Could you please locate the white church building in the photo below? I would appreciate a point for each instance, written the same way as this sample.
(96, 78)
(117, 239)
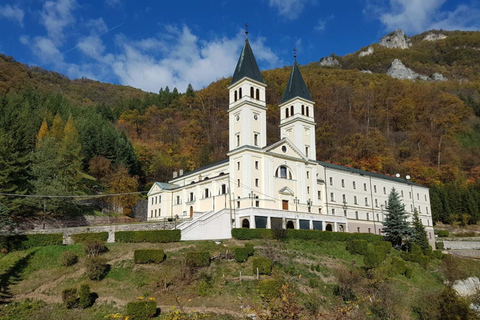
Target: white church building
(281, 185)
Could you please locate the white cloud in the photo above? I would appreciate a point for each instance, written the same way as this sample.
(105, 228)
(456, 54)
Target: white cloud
(96, 26)
(290, 9)
(55, 16)
(323, 22)
(92, 46)
(415, 16)
(12, 13)
(113, 3)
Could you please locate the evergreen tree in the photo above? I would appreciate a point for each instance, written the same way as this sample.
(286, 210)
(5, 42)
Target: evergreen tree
(396, 226)
(190, 92)
(6, 223)
(419, 234)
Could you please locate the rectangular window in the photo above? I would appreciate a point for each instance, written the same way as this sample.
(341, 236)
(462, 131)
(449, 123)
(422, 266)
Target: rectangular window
(256, 182)
(238, 183)
(191, 196)
(332, 198)
(344, 198)
(224, 188)
(368, 215)
(375, 188)
(238, 165)
(156, 200)
(178, 199)
(425, 197)
(238, 139)
(155, 212)
(384, 190)
(333, 211)
(358, 229)
(366, 202)
(378, 217)
(152, 200)
(355, 200)
(319, 195)
(354, 185)
(308, 190)
(401, 193)
(409, 195)
(343, 183)
(256, 165)
(331, 181)
(308, 174)
(419, 209)
(418, 196)
(356, 215)
(376, 203)
(255, 139)
(344, 213)
(369, 230)
(365, 187)
(306, 151)
(159, 199)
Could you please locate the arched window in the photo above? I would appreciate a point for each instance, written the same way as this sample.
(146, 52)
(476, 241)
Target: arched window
(245, 223)
(303, 110)
(258, 94)
(290, 225)
(307, 111)
(283, 172)
(240, 93)
(286, 113)
(291, 110)
(236, 97)
(251, 92)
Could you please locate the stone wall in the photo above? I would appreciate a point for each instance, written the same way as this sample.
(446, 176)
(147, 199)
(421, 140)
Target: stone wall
(111, 229)
(461, 245)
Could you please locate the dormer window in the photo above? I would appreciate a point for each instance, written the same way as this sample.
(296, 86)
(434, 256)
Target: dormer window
(283, 172)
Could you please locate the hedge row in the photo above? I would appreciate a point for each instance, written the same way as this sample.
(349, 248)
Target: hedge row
(249, 234)
(85, 237)
(198, 259)
(22, 242)
(149, 256)
(148, 236)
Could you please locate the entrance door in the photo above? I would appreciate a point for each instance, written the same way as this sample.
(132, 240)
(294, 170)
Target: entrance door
(285, 204)
(191, 211)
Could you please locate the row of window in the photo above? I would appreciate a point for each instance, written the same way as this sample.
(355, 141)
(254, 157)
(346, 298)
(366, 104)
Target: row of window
(377, 217)
(291, 111)
(156, 199)
(256, 139)
(375, 188)
(206, 194)
(254, 93)
(153, 213)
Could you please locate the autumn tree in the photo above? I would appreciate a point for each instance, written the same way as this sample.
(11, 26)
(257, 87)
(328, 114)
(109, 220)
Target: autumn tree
(121, 182)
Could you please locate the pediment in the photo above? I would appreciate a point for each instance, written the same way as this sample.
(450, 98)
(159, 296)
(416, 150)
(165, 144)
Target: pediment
(287, 148)
(286, 191)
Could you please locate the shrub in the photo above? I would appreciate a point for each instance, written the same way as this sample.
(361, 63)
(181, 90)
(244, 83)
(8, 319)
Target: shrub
(249, 234)
(93, 248)
(269, 289)
(149, 256)
(409, 273)
(398, 266)
(428, 251)
(96, 267)
(417, 256)
(250, 248)
(68, 258)
(263, 264)
(442, 233)
(357, 246)
(70, 298)
(440, 245)
(155, 236)
(387, 245)
(141, 309)
(437, 254)
(198, 259)
(84, 237)
(452, 306)
(85, 296)
(374, 256)
(279, 234)
(241, 254)
(22, 242)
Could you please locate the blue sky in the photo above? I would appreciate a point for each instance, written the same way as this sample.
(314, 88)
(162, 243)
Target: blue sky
(152, 44)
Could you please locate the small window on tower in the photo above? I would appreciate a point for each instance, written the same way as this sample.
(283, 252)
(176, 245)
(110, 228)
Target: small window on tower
(291, 110)
(307, 112)
(255, 139)
(256, 165)
(306, 151)
(303, 110)
(258, 94)
(236, 96)
(286, 113)
(251, 92)
(240, 93)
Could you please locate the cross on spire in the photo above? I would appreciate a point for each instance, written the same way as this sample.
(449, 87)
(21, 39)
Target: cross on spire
(246, 29)
(295, 54)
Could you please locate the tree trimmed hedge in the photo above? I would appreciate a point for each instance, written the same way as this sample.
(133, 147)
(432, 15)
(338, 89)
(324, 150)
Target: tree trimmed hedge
(241, 254)
(263, 264)
(357, 246)
(198, 259)
(154, 236)
(141, 309)
(84, 237)
(22, 242)
(149, 256)
(249, 234)
(441, 233)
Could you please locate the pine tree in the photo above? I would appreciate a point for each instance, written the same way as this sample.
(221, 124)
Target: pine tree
(190, 92)
(396, 226)
(419, 234)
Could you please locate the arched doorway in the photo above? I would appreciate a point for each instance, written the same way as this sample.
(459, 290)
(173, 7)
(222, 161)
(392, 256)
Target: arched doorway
(245, 223)
(328, 227)
(290, 225)
(191, 211)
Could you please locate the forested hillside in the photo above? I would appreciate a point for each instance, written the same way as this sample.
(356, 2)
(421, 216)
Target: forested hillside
(429, 130)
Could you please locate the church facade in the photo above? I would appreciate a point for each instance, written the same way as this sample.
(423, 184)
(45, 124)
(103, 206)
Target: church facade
(281, 185)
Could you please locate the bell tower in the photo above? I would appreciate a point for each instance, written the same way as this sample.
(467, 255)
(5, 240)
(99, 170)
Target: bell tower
(247, 106)
(296, 114)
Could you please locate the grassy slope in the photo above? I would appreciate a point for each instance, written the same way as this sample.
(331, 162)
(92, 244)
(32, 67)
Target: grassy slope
(43, 278)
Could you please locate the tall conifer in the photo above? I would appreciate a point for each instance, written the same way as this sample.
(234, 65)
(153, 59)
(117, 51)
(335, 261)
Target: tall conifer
(396, 227)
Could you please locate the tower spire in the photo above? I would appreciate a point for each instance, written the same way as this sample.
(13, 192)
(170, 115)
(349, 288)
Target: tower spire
(295, 54)
(246, 30)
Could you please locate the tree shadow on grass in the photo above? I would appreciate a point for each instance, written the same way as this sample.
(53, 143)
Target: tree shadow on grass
(11, 276)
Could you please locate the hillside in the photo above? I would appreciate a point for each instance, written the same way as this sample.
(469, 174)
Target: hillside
(309, 279)
(427, 129)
